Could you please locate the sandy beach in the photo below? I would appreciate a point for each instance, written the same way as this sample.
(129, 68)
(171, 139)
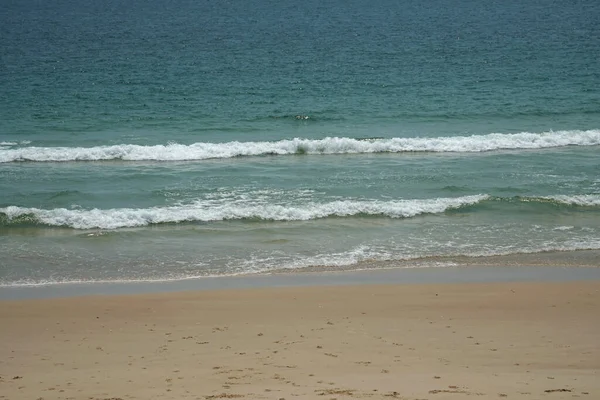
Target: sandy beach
(445, 341)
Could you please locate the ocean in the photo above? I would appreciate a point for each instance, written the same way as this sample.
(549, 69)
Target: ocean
(156, 141)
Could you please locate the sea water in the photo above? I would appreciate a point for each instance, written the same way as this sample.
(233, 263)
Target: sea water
(150, 140)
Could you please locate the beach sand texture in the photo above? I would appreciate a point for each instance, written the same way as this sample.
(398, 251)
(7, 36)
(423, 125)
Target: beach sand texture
(449, 341)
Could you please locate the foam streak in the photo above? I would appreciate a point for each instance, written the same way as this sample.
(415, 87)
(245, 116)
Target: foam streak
(330, 145)
(205, 212)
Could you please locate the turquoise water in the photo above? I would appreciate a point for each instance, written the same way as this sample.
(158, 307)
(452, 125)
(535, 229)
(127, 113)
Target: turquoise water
(155, 141)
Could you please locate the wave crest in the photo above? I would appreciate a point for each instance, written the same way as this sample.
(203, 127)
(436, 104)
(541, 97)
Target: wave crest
(210, 210)
(205, 212)
(329, 145)
(585, 200)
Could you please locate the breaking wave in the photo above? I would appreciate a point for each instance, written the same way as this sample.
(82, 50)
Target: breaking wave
(209, 211)
(585, 200)
(329, 145)
(203, 211)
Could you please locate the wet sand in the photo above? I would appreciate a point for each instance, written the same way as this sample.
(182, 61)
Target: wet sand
(411, 341)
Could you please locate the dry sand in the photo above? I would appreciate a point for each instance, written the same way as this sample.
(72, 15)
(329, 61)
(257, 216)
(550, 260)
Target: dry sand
(500, 340)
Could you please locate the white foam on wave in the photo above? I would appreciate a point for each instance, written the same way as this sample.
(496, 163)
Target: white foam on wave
(206, 211)
(588, 200)
(22, 142)
(564, 228)
(330, 145)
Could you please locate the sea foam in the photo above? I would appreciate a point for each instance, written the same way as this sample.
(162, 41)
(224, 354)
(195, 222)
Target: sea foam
(586, 200)
(206, 211)
(329, 145)
(228, 208)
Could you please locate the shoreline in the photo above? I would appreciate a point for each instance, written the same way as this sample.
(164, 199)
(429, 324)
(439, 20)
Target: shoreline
(393, 274)
(524, 264)
(412, 341)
